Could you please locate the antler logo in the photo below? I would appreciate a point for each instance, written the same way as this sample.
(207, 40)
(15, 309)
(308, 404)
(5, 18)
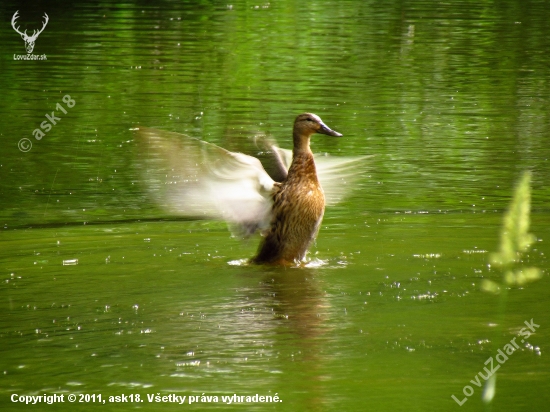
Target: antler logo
(29, 40)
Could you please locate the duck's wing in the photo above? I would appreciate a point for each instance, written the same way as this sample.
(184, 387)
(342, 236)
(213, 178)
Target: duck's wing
(339, 175)
(276, 161)
(190, 177)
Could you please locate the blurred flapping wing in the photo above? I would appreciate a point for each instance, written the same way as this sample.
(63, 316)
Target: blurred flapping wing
(190, 177)
(337, 175)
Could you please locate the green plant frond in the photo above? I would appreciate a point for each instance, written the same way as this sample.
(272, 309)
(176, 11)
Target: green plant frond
(515, 237)
(490, 286)
(522, 276)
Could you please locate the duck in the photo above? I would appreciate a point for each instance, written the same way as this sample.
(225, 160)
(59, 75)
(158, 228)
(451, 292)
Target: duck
(298, 200)
(194, 178)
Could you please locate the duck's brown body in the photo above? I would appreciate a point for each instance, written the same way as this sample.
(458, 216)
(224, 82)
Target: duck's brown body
(298, 201)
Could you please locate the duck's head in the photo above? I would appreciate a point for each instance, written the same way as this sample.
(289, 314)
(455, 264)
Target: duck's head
(307, 124)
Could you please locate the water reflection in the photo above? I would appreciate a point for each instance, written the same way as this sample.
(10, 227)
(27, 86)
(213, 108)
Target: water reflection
(298, 300)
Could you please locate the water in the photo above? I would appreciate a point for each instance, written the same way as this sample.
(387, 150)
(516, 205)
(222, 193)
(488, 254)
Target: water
(104, 292)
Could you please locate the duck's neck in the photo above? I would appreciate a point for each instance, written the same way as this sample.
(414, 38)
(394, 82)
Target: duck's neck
(303, 164)
(301, 145)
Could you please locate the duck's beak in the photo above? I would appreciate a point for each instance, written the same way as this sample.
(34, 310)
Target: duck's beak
(328, 131)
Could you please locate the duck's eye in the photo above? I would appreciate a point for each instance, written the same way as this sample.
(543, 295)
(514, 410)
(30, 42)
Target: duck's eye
(309, 119)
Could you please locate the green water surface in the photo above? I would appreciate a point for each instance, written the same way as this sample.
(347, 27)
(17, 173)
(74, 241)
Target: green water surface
(104, 292)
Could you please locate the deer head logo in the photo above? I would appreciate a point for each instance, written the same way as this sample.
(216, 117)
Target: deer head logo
(29, 40)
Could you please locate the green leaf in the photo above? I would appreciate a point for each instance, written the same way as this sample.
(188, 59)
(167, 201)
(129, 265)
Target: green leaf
(515, 237)
(490, 286)
(521, 276)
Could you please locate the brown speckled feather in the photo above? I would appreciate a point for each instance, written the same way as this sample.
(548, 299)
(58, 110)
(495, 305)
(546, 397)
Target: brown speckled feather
(298, 208)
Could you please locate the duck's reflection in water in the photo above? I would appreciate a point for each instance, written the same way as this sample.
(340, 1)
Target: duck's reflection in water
(299, 303)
